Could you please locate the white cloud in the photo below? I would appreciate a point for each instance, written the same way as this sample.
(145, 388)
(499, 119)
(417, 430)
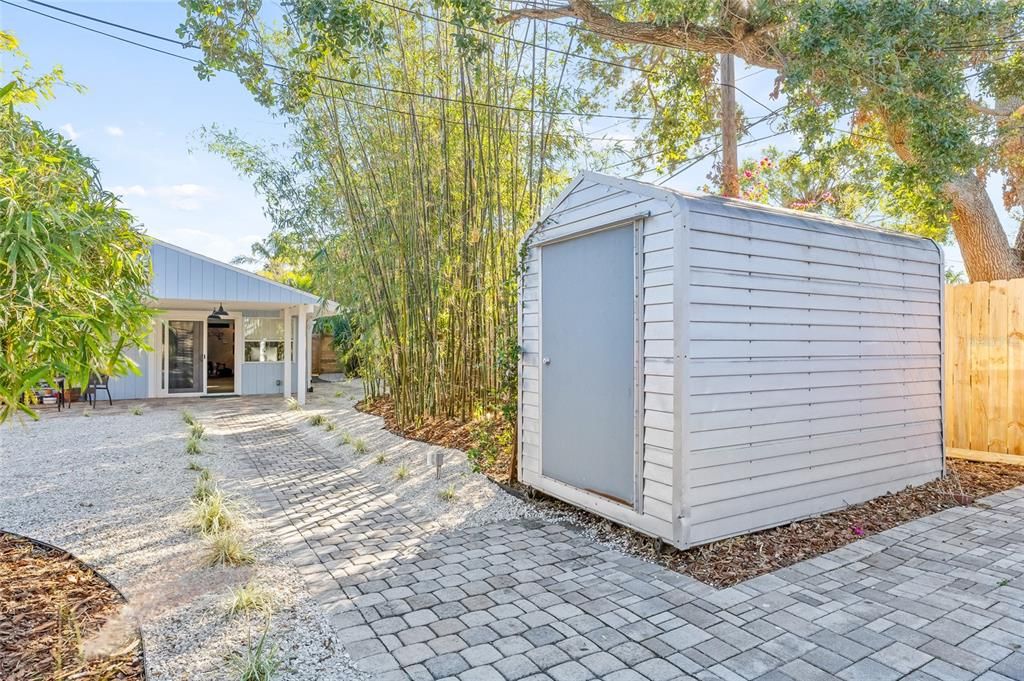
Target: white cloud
(69, 131)
(132, 190)
(181, 196)
(114, 131)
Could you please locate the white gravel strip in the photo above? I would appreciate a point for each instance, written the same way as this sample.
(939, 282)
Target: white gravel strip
(113, 488)
(477, 499)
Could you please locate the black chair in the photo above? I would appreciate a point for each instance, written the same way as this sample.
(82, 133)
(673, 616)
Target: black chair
(97, 383)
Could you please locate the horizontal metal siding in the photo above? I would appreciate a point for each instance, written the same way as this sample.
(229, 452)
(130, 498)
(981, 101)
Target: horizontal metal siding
(815, 360)
(592, 205)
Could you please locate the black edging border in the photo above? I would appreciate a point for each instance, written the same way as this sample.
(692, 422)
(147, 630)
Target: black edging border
(102, 577)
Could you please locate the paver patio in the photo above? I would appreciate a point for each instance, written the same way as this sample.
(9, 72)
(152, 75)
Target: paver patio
(938, 598)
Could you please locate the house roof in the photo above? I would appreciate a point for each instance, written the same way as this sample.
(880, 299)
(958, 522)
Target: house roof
(181, 274)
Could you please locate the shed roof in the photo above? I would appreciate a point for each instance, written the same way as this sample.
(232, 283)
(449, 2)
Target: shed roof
(727, 204)
(181, 274)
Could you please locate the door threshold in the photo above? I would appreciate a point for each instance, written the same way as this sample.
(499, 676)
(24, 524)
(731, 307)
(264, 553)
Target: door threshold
(216, 395)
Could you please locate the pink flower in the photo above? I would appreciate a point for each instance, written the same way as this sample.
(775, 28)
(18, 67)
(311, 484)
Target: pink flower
(748, 174)
(858, 530)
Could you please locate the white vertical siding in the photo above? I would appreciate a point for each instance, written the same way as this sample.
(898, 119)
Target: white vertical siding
(592, 205)
(815, 363)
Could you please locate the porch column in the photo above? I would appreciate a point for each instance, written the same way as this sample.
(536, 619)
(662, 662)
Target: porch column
(286, 382)
(300, 358)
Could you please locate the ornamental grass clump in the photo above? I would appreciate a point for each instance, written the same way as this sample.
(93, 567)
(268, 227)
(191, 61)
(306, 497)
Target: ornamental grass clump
(359, 445)
(136, 411)
(292, 404)
(197, 431)
(213, 514)
(250, 597)
(194, 465)
(448, 494)
(204, 489)
(192, 446)
(187, 417)
(259, 662)
(317, 420)
(402, 472)
(227, 548)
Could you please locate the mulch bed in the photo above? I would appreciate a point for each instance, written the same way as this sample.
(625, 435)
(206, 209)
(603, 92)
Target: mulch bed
(449, 433)
(50, 606)
(730, 561)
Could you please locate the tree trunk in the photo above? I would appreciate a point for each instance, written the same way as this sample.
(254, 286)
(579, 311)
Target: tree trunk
(985, 246)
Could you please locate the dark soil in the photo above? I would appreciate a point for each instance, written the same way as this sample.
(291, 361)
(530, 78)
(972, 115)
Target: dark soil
(50, 604)
(730, 561)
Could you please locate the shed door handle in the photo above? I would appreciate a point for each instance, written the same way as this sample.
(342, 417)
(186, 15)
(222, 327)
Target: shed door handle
(547, 360)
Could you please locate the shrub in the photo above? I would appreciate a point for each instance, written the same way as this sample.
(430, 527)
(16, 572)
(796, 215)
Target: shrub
(259, 662)
(379, 459)
(197, 431)
(359, 445)
(448, 494)
(192, 446)
(187, 417)
(292, 404)
(227, 549)
(250, 597)
(213, 515)
(136, 411)
(402, 472)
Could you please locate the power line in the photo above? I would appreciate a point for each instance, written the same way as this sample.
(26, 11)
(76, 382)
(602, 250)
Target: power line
(340, 81)
(492, 34)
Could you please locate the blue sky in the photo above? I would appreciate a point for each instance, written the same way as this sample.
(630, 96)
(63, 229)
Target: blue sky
(141, 111)
(138, 118)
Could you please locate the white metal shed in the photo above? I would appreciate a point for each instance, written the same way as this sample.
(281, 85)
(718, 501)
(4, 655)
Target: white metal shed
(697, 367)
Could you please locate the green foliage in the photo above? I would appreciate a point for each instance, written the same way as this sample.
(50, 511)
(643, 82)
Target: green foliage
(259, 662)
(359, 445)
(197, 431)
(136, 411)
(74, 270)
(213, 514)
(379, 459)
(188, 418)
(204, 489)
(194, 465)
(192, 446)
(448, 494)
(402, 472)
(405, 210)
(317, 420)
(292, 404)
(343, 342)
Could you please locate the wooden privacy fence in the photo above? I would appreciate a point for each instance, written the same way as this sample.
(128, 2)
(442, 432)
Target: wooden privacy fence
(984, 369)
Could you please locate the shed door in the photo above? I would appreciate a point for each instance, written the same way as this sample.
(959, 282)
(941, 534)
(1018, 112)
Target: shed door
(588, 372)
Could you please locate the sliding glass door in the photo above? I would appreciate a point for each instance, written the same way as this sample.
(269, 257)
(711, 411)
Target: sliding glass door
(183, 356)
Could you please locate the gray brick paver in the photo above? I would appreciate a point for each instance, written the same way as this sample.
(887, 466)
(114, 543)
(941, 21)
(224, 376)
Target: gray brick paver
(939, 598)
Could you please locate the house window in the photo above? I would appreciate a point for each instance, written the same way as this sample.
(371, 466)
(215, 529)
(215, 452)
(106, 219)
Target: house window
(264, 339)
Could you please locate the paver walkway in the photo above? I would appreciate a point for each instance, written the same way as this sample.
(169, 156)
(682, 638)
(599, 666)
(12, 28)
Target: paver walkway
(938, 598)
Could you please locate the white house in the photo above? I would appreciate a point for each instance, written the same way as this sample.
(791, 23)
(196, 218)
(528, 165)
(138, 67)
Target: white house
(697, 367)
(221, 331)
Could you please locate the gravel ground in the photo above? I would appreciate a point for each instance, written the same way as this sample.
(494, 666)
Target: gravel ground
(113, 488)
(477, 499)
